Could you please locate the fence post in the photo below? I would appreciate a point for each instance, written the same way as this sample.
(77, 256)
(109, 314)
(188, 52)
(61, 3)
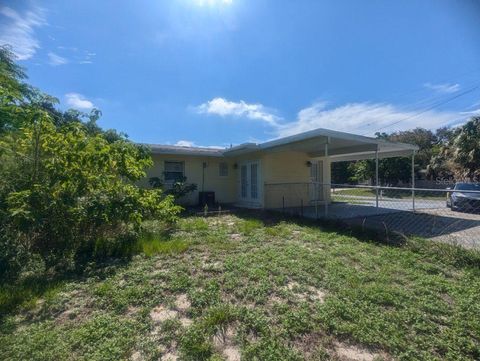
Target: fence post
(376, 177)
(283, 204)
(326, 204)
(315, 185)
(413, 181)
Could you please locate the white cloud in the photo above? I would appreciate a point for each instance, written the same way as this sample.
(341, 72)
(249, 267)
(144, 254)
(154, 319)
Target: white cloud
(78, 101)
(185, 143)
(189, 143)
(474, 112)
(363, 118)
(19, 31)
(213, 2)
(224, 107)
(55, 59)
(88, 58)
(443, 88)
(359, 118)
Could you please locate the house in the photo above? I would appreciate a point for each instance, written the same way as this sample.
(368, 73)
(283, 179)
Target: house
(249, 175)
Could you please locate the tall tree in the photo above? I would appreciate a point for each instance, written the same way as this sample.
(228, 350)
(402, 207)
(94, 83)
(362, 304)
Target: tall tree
(13, 91)
(464, 149)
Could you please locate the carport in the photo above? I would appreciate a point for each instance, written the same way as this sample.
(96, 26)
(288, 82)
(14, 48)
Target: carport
(324, 147)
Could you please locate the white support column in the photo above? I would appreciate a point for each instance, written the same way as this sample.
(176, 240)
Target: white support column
(376, 177)
(413, 181)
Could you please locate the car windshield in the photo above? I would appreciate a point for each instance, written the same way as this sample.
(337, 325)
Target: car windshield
(467, 186)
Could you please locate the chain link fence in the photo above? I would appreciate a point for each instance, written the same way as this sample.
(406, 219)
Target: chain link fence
(447, 215)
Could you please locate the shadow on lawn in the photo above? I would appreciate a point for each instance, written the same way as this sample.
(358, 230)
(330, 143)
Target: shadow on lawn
(25, 293)
(454, 255)
(272, 218)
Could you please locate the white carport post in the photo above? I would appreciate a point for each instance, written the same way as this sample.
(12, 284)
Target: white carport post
(376, 177)
(413, 181)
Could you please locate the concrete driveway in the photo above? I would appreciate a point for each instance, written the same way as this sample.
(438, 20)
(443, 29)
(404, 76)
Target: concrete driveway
(431, 219)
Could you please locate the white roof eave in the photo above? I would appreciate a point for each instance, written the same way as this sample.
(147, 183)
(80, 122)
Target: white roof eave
(329, 134)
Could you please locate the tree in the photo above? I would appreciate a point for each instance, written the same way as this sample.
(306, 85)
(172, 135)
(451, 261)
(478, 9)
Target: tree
(464, 150)
(178, 189)
(67, 188)
(423, 138)
(63, 192)
(13, 91)
(341, 173)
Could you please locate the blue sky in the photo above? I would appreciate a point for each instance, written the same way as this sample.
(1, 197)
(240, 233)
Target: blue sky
(216, 72)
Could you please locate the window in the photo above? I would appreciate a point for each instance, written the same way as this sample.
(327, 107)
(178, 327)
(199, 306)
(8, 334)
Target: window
(223, 169)
(173, 171)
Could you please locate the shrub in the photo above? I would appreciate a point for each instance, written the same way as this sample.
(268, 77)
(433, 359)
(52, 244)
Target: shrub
(177, 189)
(66, 193)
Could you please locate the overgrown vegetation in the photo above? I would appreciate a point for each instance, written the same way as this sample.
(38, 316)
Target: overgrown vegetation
(178, 189)
(265, 289)
(67, 188)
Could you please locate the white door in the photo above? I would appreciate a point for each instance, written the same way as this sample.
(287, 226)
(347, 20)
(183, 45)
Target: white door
(316, 179)
(250, 182)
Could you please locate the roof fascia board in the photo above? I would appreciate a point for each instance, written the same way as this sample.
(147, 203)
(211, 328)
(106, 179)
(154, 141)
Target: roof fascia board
(345, 150)
(371, 155)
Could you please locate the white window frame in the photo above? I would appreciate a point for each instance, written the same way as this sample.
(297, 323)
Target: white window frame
(220, 165)
(171, 181)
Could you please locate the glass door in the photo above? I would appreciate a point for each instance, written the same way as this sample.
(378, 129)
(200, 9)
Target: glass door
(250, 182)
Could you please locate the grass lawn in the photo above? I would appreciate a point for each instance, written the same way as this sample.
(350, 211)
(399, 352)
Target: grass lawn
(392, 193)
(230, 286)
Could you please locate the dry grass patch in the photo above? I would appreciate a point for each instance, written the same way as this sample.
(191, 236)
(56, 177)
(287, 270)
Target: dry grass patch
(223, 342)
(356, 353)
(161, 314)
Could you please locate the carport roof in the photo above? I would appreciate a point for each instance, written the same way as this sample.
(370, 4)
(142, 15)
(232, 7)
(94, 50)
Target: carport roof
(340, 146)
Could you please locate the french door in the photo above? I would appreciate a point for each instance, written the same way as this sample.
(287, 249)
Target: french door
(250, 182)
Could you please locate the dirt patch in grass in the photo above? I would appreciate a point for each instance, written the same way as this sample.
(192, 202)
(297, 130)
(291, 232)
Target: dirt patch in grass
(161, 314)
(77, 308)
(311, 293)
(169, 356)
(136, 356)
(185, 321)
(355, 353)
(132, 311)
(182, 303)
(225, 345)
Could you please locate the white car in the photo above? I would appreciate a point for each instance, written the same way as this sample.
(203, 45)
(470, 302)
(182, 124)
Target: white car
(464, 197)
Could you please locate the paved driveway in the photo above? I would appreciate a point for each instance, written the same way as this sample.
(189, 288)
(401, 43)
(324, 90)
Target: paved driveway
(431, 219)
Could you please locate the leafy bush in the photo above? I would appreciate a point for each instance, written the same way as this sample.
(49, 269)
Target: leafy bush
(67, 194)
(177, 189)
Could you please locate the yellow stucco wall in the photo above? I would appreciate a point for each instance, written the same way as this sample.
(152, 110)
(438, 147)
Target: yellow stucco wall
(286, 177)
(224, 187)
(287, 167)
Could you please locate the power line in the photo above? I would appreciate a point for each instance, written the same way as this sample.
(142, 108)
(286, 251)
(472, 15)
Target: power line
(429, 108)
